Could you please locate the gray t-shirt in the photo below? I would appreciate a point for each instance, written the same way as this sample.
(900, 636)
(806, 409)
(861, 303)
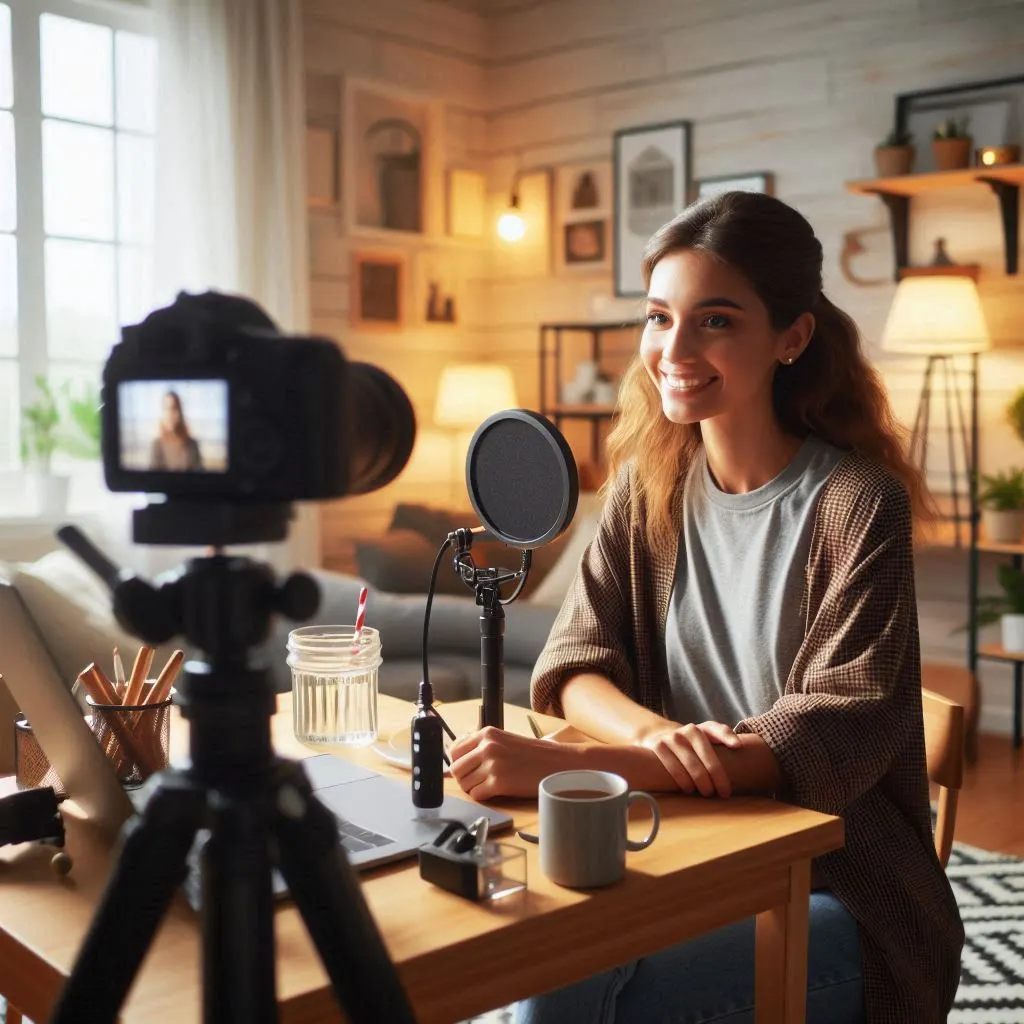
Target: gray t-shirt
(734, 623)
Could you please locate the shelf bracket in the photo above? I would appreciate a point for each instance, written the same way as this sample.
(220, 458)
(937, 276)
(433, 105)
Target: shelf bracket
(1009, 207)
(899, 221)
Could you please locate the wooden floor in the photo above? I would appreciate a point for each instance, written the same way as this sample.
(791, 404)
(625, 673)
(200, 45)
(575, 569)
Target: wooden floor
(991, 809)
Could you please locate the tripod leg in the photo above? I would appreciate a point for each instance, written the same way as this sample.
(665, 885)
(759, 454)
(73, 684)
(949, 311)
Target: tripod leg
(238, 915)
(149, 869)
(327, 893)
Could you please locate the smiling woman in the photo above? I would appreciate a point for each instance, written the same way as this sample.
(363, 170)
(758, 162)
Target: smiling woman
(745, 621)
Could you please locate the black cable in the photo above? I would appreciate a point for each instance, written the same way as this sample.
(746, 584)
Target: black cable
(426, 693)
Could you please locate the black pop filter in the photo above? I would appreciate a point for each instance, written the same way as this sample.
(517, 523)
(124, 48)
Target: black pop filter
(522, 478)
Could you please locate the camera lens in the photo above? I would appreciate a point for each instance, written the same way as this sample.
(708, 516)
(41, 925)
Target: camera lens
(383, 428)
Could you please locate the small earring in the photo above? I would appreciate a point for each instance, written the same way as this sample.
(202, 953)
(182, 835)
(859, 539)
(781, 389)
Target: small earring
(788, 361)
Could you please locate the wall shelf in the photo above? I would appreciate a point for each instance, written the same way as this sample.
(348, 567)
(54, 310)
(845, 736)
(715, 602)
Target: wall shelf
(996, 653)
(896, 192)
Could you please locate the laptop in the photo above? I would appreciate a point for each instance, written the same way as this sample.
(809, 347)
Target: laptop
(377, 822)
(56, 720)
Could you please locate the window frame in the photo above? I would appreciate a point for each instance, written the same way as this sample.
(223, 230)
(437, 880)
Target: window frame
(33, 356)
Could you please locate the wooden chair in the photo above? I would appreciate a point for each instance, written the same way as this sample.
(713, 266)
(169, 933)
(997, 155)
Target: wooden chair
(944, 749)
(957, 683)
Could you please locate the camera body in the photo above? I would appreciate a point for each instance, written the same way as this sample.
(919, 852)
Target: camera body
(205, 400)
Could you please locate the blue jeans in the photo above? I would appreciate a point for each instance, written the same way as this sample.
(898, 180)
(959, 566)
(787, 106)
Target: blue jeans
(711, 979)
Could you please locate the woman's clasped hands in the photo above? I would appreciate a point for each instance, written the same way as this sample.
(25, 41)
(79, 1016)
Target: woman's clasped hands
(687, 752)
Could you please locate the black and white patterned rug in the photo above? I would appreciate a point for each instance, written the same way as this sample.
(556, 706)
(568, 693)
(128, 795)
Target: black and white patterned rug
(989, 889)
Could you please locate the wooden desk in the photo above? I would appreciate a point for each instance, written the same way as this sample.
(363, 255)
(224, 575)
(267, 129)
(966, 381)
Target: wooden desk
(714, 862)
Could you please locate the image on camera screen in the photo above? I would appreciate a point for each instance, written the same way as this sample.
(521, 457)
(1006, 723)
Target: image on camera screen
(173, 426)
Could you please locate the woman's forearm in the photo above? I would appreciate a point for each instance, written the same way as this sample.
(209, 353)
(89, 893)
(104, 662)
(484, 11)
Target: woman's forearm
(752, 768)
(597, 707)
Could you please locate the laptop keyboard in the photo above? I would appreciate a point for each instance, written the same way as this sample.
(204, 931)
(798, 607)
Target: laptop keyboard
(355, 838)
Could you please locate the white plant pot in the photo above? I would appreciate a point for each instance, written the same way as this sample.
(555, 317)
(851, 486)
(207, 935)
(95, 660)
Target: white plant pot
(1013, 633)
(1002, 527)
(51, 493)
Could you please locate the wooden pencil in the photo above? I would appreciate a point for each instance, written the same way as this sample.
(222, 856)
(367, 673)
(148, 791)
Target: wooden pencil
(140, 672)
(97, 685)
(162, 687)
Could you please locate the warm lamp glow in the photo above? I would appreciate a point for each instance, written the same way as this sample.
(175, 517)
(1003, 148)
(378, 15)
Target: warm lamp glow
(511, 226)
(939, 316)
(470, 392)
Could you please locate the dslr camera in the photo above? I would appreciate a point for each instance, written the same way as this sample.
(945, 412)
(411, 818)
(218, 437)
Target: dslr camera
(207, 404)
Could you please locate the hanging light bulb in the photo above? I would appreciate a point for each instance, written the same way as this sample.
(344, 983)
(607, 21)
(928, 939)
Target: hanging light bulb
(511, 226)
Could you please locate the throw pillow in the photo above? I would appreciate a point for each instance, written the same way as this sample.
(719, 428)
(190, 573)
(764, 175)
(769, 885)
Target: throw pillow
(72, 609)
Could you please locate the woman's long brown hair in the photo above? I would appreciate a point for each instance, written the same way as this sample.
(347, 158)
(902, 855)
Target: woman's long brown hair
(180, 429)
(831, 390)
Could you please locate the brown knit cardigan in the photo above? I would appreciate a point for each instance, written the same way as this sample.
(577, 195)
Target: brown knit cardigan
(848, 730)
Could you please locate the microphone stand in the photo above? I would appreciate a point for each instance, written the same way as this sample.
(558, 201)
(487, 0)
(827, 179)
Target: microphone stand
(487, 583)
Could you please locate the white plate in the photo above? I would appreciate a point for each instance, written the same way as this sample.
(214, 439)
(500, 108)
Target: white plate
(398, 749)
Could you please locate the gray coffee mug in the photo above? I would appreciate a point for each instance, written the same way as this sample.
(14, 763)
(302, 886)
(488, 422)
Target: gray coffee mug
(583, 839)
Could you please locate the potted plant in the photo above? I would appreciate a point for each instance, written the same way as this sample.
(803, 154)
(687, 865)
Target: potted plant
(82, 439)
(1015, 414)
(39, 440)
(1002, 501)
(951, 145)
(895, 154)
(1007, 609)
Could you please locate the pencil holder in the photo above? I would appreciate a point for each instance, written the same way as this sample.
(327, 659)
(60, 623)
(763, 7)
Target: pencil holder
(135, 738)
(31, 766)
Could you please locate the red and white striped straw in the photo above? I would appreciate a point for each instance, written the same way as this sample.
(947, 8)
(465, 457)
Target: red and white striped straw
(361, 613)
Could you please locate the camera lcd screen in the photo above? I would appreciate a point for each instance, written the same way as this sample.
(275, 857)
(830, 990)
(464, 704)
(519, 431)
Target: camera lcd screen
(173, 426)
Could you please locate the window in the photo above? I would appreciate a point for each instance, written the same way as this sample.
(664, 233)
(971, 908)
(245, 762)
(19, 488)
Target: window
(77, 123)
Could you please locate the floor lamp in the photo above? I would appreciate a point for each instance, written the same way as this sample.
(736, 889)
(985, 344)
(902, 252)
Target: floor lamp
(939, 316)
(467, 394)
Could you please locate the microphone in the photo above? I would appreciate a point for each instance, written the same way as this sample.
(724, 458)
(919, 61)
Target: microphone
(524, 485)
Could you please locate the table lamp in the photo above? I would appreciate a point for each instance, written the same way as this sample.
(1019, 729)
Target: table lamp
(467, 394)
(940, 317)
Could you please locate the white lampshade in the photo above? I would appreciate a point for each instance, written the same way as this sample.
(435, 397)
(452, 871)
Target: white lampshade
(470, 392)
(936, 316)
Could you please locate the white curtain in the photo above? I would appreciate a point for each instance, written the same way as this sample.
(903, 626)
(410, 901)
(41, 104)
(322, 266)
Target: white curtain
(231, 211)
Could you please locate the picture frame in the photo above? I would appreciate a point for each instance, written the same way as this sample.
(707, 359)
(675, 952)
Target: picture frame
(437, 290)
(652, 183)
(378, 282)
(466, 203)
(388, 159)
(995, 108)
(582, 208)
(754, 181)
(321, 166)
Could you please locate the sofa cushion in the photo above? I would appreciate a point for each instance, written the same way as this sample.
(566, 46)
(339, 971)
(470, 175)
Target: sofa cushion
(73, 612)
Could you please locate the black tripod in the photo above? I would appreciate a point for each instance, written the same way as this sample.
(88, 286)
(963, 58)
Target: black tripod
(487, 583)
(259, 808)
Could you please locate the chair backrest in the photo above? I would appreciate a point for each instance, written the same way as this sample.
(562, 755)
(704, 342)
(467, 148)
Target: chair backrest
(944, 750)
(944, 740)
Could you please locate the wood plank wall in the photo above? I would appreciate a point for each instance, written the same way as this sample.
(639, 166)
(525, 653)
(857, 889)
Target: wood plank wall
(801, 89)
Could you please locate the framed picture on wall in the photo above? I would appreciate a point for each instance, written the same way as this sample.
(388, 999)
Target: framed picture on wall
(582, 217)
(378, 285)
(321, 166)
(759, 181)
(652, 185)
(992, 112)
(467, 203)
(386, 158)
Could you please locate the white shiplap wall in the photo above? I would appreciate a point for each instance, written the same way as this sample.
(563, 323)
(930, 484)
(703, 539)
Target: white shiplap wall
(801, 89)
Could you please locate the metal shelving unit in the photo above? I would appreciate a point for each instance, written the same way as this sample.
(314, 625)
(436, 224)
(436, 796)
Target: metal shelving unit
(552, 375)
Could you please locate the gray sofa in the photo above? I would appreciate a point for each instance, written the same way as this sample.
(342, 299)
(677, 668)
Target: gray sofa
(57, 599)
